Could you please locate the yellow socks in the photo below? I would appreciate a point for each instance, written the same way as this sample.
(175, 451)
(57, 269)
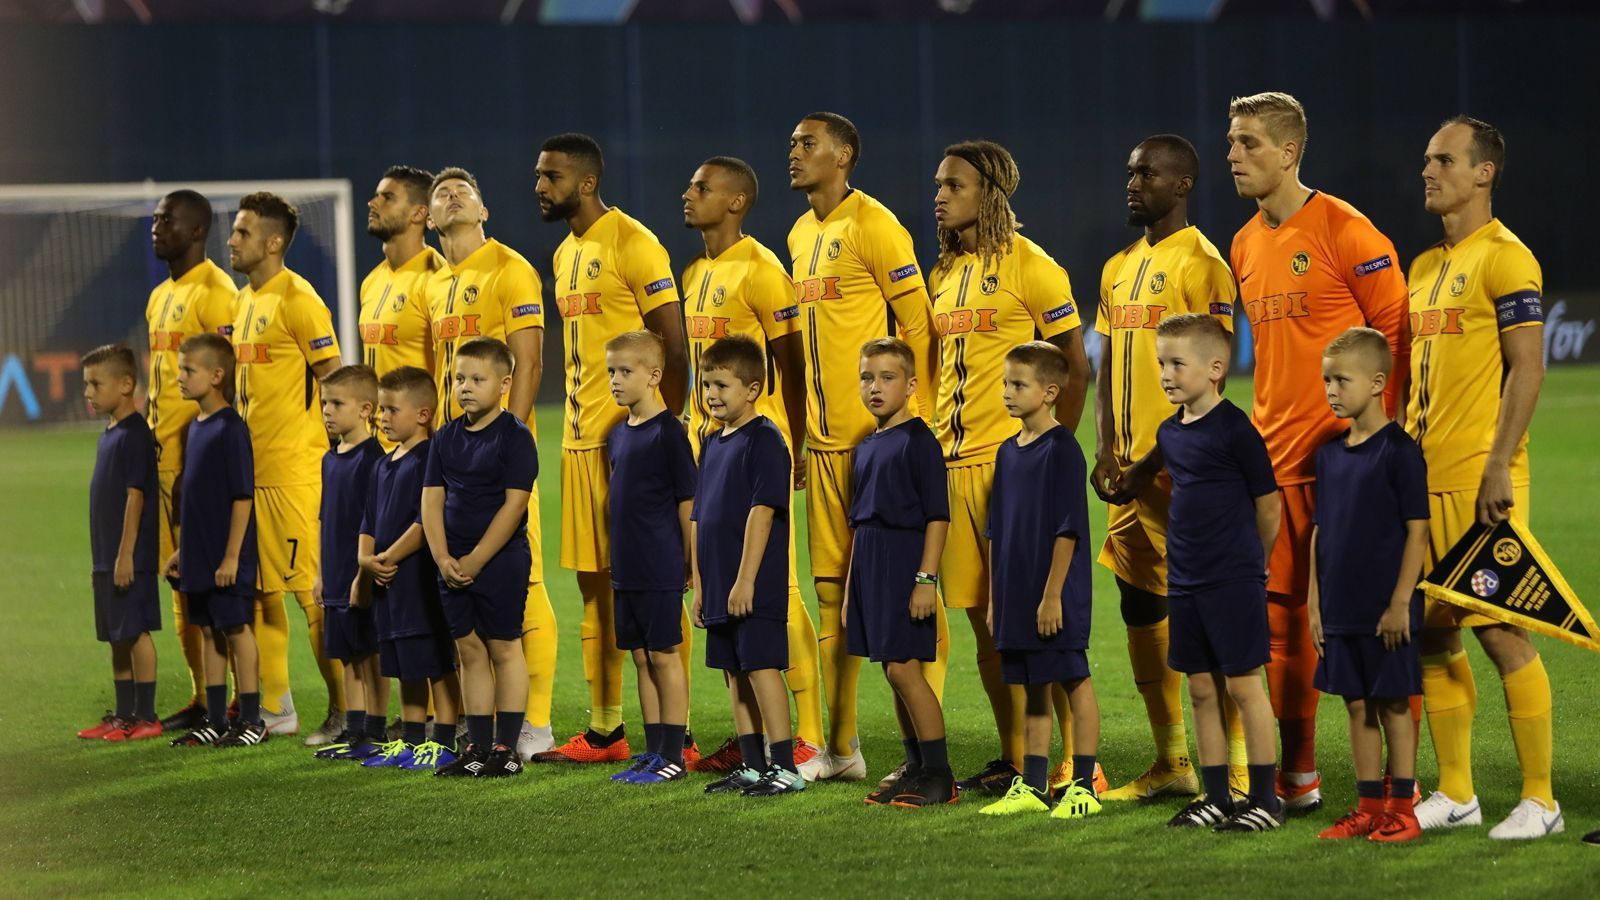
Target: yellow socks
(1161, 688)
(935, 671)
(272, 651)
(539, 649)
(840, 670)
(1528, 706)
(804, 675)
(1450, 697)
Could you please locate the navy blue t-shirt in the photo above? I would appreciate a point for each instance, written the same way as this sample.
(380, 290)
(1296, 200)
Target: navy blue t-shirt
(1365, 496)
(125, 458)
(652, 471)
(1219, 466)
(218, 468)
(409, 605)
(346, 480)
(476, 468)
(739, 472)
(1038, 496)
(898, 479)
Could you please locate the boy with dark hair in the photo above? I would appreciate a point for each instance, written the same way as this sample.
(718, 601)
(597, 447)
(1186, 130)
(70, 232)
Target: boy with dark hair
(900, 513)
(480, 474)
(215, 562)
(123, 542)
(741, 565)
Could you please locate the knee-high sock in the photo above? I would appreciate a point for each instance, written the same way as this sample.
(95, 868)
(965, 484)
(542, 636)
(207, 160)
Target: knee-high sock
(190, 638)
(1006, 700)
(1161, 688)
(1238, 757)
(602, 661)
(935, 671)
(539, 649)
(1290, 673)
(1528, 705)
(272, 652)
(804, 675)
(686, 653)
(840, 670)
(1450, 697)
(331, 669)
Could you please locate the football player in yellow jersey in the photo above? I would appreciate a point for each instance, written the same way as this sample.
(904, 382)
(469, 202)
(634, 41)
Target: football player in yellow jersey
(740, 287)
(394, 305)
(853, 265)
(611, 276)
(1170, 270)
(284, 341)
(486, 289)
(197, 296)
(1477, 363)
(992, 290)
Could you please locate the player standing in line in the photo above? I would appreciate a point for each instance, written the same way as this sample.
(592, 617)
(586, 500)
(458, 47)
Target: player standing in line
(284, 343)
(394, 306)
(1309, 266)
(1477, 322)
(611, 276)
(1171, 270)
(993, 289)
(197, 296)
(739, 286)
(854, 268)
(486, 289)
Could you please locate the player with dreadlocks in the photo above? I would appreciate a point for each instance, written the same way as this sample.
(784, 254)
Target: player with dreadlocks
(992, 290)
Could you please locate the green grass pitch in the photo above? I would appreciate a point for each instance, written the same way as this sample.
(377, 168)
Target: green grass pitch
(84, 818)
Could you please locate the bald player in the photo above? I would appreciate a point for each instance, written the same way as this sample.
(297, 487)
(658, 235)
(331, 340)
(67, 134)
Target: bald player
(284, 342)
(197, 296)
(1310, 266)
(611, 276)
(853, 270)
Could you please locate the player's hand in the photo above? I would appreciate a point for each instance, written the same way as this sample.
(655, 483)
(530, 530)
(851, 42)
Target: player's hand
(800, 471)
(696, 613)
(450, 570)
(1133, 481)
(360, 597)
(741, 600)
(171, 569)
(1103, 479)
(988, 619)
(923, 601)
(1494, 494)
(1395, 627)
(470, 566)
(1049, 616)
(1314, 621)
(122, 573)
(382, 569)
(228, 572)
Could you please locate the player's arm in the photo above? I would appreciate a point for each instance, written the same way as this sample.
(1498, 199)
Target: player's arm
(1269, 515)
(1372, 271)
(757, 528)
(1103, 478)
(433, 528)
(506, 522)
(1395, 625)
(924, 597)
(1138, 477)
(406, 544)
(520, 293)
(697, 607)
(323, 368)
(913, 321)
(238, 522)
(686, 528)
(1069, 406)
(789, 354)
(1314, 595)
(927, 466)
(1523, 351)
(367, 559)
(132, 512)
(1050, 616)
(527, 351)
(666, 321)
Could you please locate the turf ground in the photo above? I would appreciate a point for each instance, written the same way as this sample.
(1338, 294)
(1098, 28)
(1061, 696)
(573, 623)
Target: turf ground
(89, 818)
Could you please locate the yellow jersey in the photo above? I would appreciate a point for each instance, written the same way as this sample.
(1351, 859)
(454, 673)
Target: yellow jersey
(394, 313)
(494, 292)
(747, 291)
(980, 312)
(1181, 273)
(606, 280)
(200, 300)
(279, 332)
(850, 270)
(1462, 298)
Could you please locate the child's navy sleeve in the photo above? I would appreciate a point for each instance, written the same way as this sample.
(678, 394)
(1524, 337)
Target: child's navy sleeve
(1251, 452)
(996, 493)
(1070, 475)
(927, 464)
(680, 464)
(241, 468)
(136, 454)
(521, 460)
(1408, 471)
(769, 470)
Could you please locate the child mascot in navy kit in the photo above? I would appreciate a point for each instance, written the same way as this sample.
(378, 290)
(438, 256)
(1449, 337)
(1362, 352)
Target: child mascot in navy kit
(216, 559)
(123, 545)
(1221, 527)
(480, 476)
(1370, 539)
(1041, 596)
(899, 513)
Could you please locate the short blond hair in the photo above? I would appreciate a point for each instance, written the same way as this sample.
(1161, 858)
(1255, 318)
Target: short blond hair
(1199, 327)
(1282, 114)
(1369, 343)
(646, 343)
(1044, 359)
(892, 346)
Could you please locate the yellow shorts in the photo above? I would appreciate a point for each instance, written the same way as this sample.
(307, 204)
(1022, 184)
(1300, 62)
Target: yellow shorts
(585, 491)
(1136, 538)
(1449, 516)
(287, 537)
(827, 512)
(964, 565)
(1289, 568)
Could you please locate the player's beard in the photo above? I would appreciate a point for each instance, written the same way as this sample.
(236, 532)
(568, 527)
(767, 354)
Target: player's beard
(560, 210)
(383, 231)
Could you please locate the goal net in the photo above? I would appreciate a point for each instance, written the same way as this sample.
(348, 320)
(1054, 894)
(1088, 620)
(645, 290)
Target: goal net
(76, 269)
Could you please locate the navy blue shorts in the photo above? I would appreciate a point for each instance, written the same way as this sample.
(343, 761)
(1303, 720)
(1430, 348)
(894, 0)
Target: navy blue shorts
(883, 572)
(420, 658)
(220, 609)
(1043, 666)
(493, 604)
(648, 620)
(1221, 629)
(348, 633)
(748, 645)
(124, 615)
(1357, 665)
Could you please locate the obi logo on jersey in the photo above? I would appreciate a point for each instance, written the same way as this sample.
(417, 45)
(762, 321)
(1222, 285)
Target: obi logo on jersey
(1430, 322)
(1277, 306)
(248, 354)
(1136, 315)
(165, 340)
(706, 327)
(810, 290)
(448, 328)
(376, 333)
(579, 305)
(965, 320)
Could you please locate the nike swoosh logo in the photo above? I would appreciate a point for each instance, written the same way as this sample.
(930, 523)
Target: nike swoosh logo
(1245, 277)
(941, 293)
(1118, 284)
(1453, 818)
(1417, 291)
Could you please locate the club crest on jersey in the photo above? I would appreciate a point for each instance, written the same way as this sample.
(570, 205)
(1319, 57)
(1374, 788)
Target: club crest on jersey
(1485, 582)
(902, 272)
(1374, 265)
(178, 310)
(1301, 263)
(470, 295)
(1158, 282)
(1507, 551)
(1059, 313)
(261, 324)
(718, 296)
(398, 303)
(990, 284)
(834, 248)
(593, 271)
(1458, 286)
